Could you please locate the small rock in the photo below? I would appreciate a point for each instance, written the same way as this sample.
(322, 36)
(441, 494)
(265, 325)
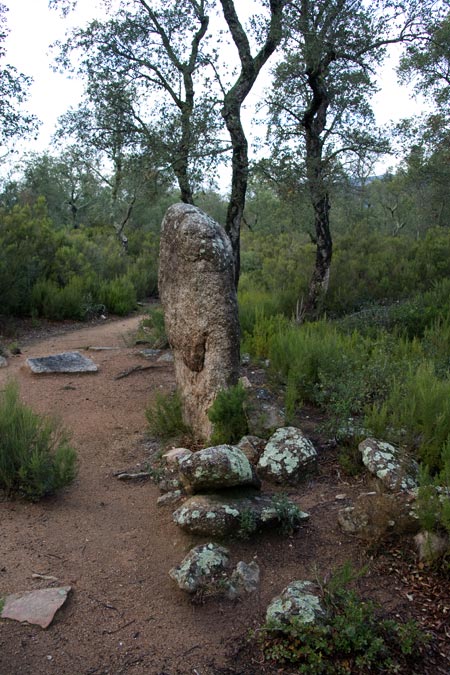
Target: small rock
(170, 498)
(396, 470)
(252, 447)
(289, 457)
(431, 546)
(245, 359)
(245, 579)
(341, 497)
(201, 567)
(3, 362)
(352, 520)
(263, 418)
(36, 607)
(150, 353)
(245, 382)
(297, 601)
(174, 456)
(66, 362)
(167, 357)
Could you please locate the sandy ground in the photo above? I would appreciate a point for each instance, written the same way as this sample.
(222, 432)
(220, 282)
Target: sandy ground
(114, 546)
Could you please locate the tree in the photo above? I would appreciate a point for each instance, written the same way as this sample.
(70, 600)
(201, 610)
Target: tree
(151, 52)
(231, 111)
(320, 105)
(13, 92)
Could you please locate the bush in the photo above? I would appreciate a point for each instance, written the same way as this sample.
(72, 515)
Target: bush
(118, 296)
(228, 416)
(52, 302)
(352, 639)
(165, 417)
(35, 456)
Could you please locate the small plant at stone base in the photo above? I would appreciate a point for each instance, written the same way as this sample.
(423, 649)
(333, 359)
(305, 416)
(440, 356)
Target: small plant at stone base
(352, 639)
(152, 329)
(247, 524)
(165, 417)
(289, 515)
(349, 459)
(35, 456)
(228, 416)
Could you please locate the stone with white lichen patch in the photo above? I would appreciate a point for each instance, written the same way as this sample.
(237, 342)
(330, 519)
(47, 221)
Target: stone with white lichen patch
(289, 457)
(299, 600)
(215, 468)
(221, 515)
(395, 469)
(200, 567)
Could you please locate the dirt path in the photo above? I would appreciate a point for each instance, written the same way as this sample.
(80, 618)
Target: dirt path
(114, 546)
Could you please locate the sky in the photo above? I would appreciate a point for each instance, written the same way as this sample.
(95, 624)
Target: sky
(33, 27)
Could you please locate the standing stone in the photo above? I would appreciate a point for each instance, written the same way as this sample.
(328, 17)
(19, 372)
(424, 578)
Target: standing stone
(196, 286)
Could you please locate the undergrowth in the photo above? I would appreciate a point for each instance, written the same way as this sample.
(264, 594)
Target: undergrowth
(35, 456)
(354, 638)
(227, 415)
(165, 417)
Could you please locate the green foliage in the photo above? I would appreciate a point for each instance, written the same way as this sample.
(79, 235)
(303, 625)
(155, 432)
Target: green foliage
(352, 638)
(118, 296)
(165, 417)
(53, 302)
(35, 456)
(288, 513)
(415, 412)
(152, 329)
(247, 524)
(228, 415)
(433, 502)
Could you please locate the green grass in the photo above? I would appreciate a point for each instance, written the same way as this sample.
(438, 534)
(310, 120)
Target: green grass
(35, 456)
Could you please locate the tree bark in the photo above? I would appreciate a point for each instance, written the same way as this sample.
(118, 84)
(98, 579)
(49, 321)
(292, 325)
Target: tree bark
(231, 113)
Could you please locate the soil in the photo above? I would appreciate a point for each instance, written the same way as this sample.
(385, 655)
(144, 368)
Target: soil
(114, 546)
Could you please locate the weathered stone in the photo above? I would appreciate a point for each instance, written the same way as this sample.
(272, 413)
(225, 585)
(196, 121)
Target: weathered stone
(252, 447)
(289, 457)
(170, 498)
(202, 567)
(196, 285)
(431, 546)
(245, 382)
(37, 607)
(395, 469)
(245, 359)
(244, 579)
(263, 418)
(217, 467)
(297, 601)
(3, 362)
(173, 457)
(376, 514)
(218, 515)
(165, 358)
(66, 362)
(150, 353)
(352, 520)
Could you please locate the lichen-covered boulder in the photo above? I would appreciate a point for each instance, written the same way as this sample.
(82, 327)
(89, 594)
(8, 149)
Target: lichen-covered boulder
(204, 565)
(288, 457)
(378, 513)
(244, 579)
(197, 291)
(300, 601)
(396, 470)
(216, 515)
(217, 467)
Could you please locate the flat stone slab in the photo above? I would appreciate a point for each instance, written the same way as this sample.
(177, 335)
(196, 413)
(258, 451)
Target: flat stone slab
(37, 607)
(66, 362)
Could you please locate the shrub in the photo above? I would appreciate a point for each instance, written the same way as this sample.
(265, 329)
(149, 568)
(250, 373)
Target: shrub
(352, 639)
(228, 416)
(165, 417)
(433, 503)
(35, 456)
(118, 296)
(52, 302)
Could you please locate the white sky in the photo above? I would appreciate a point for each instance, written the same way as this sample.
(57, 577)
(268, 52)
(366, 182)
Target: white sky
(33, 27)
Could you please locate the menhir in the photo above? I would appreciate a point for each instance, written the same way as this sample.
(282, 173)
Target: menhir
(196, 287)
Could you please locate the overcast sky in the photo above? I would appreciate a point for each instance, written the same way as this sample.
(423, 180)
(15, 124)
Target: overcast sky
(33, 27)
